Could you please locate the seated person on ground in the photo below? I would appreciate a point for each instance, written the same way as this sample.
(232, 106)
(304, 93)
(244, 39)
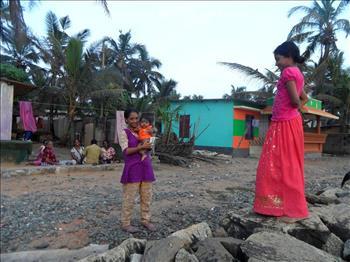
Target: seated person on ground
(77, 152)
(108, 153)
(92, 153)
(49, 156)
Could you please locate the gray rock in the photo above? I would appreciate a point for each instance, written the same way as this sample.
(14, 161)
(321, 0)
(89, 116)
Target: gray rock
(232, 245)
(40, 244)
(331, 192)
(163, 250)
(243, 224)
(184, 256)
(343, 193)
(322, 199)
(333, 245)
(212, 250)
(121, 253)
(136, 258)
(220, 232)
(274, 246)
(194, 233)
(337, 219)
(53, 255)
(346, 250)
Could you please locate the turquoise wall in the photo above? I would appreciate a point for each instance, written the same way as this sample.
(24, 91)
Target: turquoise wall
(216, 114)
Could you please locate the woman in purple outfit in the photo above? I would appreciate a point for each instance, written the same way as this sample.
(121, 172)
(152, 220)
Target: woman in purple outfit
(137, 175)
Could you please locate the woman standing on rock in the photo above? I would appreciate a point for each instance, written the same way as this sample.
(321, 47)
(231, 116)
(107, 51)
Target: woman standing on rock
(137, 175)
(280, 175)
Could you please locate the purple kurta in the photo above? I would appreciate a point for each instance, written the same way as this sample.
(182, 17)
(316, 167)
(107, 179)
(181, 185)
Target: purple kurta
(136, 170)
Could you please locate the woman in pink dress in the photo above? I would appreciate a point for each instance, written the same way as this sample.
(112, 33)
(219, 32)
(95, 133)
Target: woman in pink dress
(280, 175)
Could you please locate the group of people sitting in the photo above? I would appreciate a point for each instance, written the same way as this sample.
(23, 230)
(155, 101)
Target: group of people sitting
(92, 154)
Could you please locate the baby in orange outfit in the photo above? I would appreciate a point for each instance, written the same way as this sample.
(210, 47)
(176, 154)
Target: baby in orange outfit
(145, 134)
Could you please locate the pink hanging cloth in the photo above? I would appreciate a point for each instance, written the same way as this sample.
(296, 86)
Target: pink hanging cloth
(120, 125)
(27, 118)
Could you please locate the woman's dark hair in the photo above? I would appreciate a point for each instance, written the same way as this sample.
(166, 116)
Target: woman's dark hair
(128, 112)
(289, 49)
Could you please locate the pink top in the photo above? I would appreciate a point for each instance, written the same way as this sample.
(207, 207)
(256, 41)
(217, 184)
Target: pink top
(282, 108)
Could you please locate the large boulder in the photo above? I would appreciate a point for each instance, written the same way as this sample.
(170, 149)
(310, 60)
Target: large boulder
(167, 248)
(336, 218)
(334, 245)
(163, 250)
(121, 253)
(184, 256)
(346, 250)
(276, 246)
(212, 250)
(241, 225)
(232, 245)
(194, 233)
(54, 255)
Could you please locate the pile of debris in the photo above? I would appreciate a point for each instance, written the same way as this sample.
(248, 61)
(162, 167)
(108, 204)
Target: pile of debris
(183, 154)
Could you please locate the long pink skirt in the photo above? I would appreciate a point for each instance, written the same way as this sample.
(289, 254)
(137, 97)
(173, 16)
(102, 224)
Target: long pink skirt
(280, 175)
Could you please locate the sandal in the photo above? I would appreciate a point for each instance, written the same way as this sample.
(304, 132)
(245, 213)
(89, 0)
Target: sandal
(131, 229)
(149, 226)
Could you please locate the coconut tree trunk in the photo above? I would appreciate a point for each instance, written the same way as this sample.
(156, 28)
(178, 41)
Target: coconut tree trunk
(51, 123)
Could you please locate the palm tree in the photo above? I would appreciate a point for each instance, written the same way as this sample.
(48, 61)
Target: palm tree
(52, 47)
(19, 49)
(336, 89)
(105, 90)
(15, 10)
(320, 26)
(143, 72)
(166, 89)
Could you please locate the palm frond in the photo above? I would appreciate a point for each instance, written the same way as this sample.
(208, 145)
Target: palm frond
(299, 9)
(52, 24)
(300, 27)
(343, 25)
(74, 57)
(105, 5)
(300, 37)
(342, 5)
(83, 35)
(248, 71)
(65, 22)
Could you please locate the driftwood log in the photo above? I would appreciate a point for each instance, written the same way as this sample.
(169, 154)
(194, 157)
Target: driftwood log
(175, 154)
(181, 149)
(173, 160)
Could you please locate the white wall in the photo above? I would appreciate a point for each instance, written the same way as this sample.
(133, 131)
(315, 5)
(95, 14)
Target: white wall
(6, 109)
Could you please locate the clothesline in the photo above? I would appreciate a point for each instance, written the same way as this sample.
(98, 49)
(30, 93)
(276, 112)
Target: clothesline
(62, 105)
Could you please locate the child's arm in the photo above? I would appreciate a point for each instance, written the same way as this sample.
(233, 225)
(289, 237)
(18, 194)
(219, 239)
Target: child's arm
(133, 150)
(294, 97)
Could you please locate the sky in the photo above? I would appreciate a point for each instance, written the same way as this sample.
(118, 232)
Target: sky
(190, 37)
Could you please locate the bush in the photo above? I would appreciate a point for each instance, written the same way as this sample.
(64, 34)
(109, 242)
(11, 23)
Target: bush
(13, 73)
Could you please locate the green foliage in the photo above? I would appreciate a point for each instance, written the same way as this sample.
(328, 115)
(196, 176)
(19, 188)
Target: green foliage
(167, 115)
(13, 73)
